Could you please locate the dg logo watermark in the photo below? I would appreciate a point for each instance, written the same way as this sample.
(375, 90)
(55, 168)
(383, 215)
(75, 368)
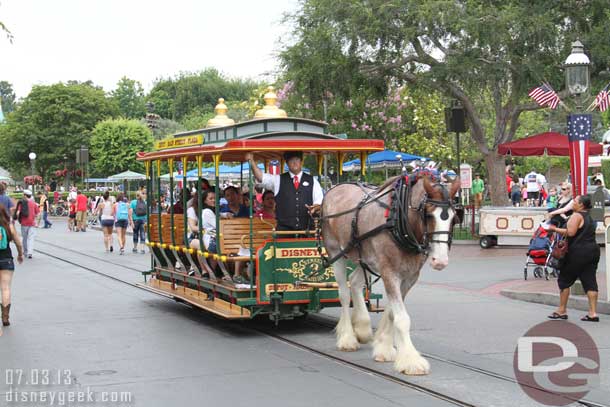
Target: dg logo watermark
(556, 363)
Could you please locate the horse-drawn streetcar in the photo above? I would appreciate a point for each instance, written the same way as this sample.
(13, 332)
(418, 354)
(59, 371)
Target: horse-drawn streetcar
(287, 278)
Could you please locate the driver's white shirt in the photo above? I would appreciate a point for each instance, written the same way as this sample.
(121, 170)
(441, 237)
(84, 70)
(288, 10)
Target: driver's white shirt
(271, 182)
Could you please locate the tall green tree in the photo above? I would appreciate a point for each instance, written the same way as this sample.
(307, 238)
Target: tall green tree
(114, 145)
(484, 54)
(176, 97)
(52, 121)
(7, 97)
(129, 97)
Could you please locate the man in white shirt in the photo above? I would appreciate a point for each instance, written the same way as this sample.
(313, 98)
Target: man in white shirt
(296, 193)
(532, 184)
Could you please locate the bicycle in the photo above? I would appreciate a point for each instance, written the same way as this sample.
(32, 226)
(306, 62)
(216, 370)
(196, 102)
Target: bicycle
(59, 209)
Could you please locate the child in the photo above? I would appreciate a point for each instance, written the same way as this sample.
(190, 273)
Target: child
(524, 195)
(72, 215)
(551, 200)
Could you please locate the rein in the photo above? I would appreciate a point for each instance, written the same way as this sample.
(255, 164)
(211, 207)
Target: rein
(397, 221)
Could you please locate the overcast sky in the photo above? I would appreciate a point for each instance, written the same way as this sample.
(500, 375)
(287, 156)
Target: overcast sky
(104, 40)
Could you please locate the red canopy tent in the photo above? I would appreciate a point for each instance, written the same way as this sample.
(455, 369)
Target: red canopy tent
(549, 143)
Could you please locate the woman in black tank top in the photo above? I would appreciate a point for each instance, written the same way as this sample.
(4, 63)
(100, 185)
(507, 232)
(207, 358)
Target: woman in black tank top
(6, 262)
(581, 259)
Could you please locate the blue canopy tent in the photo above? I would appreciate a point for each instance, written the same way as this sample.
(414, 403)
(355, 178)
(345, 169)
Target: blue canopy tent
(383, 160)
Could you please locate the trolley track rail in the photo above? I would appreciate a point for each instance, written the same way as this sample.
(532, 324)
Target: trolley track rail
(326, 322)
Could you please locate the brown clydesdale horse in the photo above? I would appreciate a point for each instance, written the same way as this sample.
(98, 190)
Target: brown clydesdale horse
(431, 216)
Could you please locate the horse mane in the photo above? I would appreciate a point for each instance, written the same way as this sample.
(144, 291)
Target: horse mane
(388, 182)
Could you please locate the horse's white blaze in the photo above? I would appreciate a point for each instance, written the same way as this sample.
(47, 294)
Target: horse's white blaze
(439, 252)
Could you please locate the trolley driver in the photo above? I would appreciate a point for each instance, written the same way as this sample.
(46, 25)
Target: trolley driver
(296, 193)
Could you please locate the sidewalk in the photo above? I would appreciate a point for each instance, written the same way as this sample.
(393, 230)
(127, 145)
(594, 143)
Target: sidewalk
(546, 292)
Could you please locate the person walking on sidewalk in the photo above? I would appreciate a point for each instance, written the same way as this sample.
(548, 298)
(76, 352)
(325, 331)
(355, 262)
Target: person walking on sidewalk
(26, 213)
(6, 200)
(45, 207)
(104, 210)
(8, 234)
(137, 220)
(81, 212)
(581, 259)
(120, 211)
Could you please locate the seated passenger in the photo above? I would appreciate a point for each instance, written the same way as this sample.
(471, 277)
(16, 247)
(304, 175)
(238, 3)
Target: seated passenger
(267, 211)
(208, 228)
(234, 208)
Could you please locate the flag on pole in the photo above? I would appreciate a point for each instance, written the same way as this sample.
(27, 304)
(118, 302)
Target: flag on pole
(544, 95)
(274, 167)
(579, 134)
(602, 100)
(179, 168)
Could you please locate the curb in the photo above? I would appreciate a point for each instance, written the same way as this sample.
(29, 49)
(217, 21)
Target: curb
(576, 302)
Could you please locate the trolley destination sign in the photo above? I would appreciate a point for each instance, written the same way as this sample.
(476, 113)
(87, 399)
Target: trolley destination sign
(175, 142)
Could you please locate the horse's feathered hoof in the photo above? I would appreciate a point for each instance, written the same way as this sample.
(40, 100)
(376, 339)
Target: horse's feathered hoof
(347, 343)
(363, 331)
(412, 365)
(384, 354)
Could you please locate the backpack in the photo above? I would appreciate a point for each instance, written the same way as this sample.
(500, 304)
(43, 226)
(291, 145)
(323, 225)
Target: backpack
(23, 210)
(140, 208)
(122, 213)
(3, 238)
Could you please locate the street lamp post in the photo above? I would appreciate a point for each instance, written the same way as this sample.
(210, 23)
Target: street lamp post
(32, 157)
(580, 126)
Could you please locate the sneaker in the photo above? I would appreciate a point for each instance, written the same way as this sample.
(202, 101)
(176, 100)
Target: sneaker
(143, 251)
(134, 250)
(111, 249)
(29, 256)
(122, 251)
(191, 272)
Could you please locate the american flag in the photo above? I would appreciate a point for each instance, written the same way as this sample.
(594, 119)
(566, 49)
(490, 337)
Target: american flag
(579, 134)
(274, 167)
(544, 95)
(602, 100)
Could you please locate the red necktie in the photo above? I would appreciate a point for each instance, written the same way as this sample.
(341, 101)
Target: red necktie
(296, 182)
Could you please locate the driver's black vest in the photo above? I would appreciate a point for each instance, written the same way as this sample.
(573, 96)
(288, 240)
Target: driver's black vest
(290, 210)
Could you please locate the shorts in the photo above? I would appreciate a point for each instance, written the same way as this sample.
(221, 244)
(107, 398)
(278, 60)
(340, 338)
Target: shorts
(72, 216)
(579, 268)
(7, 264)
(533, 195)
(212, 246)
(515, 197)
(81, 216)
(122, 223)
(107, 223)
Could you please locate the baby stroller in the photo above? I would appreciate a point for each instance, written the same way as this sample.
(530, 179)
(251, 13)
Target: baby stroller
(539, 254)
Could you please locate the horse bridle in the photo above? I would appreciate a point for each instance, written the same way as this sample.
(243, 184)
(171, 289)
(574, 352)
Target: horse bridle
(445, 205)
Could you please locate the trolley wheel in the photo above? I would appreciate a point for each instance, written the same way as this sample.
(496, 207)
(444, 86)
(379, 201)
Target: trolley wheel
(486, 242)
(525, 273)
(538, 272)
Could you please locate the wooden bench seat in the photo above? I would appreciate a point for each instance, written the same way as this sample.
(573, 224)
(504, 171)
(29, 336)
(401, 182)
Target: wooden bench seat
(166, 229)
(234, 234)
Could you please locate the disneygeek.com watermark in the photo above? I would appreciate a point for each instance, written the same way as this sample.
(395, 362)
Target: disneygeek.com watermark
(66, 398)
(55, 387)
(556, 363)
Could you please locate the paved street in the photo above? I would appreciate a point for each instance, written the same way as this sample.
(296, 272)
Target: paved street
(112, 337)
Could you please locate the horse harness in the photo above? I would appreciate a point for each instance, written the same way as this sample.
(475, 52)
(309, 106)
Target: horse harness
(397, 220)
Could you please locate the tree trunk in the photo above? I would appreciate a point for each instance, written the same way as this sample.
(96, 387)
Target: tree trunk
(496, 171)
